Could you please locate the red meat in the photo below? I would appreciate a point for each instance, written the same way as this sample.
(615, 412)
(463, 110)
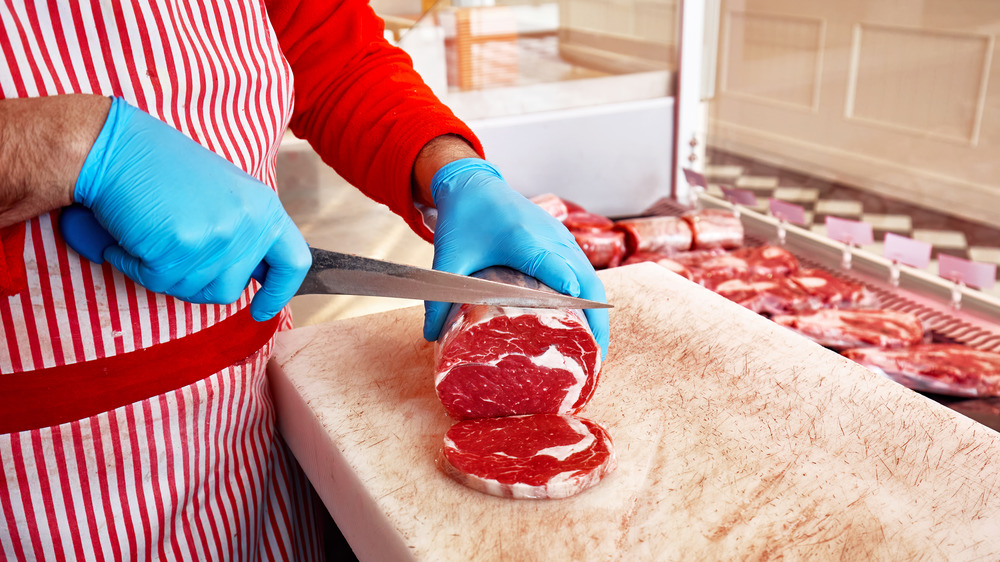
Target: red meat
(552, 204)
(712, 268)
(661, 259)
(604, 248)
(763, 294)
(940, 368)
(830, 291)
(714, 228)
(503, 361)
(768, 260)
(541, 456)
(655, 234)
(841, 329)
(694, 258)
(583, 221)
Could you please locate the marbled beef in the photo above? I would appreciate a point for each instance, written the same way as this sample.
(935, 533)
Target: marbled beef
(832, 292)
(503, 361)
(763, 294)
(712, 267)
(941, 368)
(540, 456)
(842, 329)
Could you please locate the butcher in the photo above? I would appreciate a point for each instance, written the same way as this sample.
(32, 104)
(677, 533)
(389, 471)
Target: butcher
(136, 420)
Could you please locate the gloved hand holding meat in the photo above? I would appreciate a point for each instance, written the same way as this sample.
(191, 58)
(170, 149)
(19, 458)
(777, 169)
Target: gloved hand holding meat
(482, 222)
(188, 223)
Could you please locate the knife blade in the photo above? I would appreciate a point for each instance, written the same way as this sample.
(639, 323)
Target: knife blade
(335, 273)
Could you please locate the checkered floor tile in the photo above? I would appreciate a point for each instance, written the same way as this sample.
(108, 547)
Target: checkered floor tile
(821, 197)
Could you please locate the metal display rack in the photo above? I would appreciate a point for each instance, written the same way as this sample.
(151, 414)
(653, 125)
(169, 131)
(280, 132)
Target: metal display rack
(976, 322)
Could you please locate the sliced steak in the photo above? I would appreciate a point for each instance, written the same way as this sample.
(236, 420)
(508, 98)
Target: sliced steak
(655, 234)
(714, 228)
(604, 248)
(768, 260)
(502, 361)
(842, 329)
(833, 292)
(759, 261)
(763, 294)
(940, 368)
(540, 456)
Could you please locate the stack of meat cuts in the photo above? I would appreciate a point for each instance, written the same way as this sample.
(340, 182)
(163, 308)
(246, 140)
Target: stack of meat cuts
(516, 377)
(595, 234)
(607, 243)
(706, 247)
(951, 369)
(846, 328)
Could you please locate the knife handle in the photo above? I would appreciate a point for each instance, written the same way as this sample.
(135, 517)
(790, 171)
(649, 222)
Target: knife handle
(87, 237)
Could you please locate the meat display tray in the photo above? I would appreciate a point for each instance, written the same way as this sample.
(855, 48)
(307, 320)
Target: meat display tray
(976, 322)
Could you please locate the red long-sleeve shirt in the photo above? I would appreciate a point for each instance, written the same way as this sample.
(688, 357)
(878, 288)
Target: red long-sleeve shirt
(358, 100)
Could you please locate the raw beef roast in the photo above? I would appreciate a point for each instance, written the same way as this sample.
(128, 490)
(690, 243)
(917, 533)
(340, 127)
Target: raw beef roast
(503, 361)
(941, 368)
(540, 456)
(587, 222)
(552, 204)
(655, 234)
(714, 228)
(604, 248)
(842, 329)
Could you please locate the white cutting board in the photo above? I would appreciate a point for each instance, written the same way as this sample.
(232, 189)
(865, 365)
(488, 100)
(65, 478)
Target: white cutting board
(735, 439)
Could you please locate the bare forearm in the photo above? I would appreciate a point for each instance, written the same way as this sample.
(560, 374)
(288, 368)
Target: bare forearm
(43, 144)
(437, 153)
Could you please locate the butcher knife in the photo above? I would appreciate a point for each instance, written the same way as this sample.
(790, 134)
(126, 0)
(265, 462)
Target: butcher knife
(334, 273)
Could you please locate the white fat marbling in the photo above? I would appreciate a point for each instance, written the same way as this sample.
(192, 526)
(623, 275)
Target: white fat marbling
(811, 282)
(563, 452)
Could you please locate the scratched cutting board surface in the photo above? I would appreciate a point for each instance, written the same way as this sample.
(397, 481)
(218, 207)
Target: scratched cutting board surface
(735, 439)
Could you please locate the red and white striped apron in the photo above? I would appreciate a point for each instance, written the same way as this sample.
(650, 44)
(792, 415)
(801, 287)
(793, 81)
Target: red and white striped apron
(199, 472)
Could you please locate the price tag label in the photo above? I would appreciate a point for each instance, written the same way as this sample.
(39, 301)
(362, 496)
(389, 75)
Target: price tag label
(913, 253)
(788, 211)
(739, 196)
(973, 274)
(856, 233)
(694, 178)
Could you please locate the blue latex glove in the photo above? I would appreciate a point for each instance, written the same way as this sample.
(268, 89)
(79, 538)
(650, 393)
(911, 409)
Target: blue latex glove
(482, 222)
(188, 222)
